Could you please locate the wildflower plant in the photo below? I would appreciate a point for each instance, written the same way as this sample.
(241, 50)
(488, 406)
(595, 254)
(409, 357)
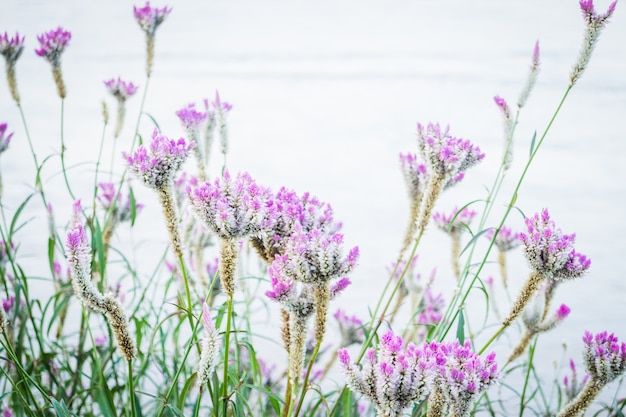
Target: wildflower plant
(117, 336)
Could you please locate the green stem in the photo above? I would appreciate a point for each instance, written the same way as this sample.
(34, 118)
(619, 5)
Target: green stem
(453, 306)
(131, 389)
(306, 377)
(67, 183)
(226, 353)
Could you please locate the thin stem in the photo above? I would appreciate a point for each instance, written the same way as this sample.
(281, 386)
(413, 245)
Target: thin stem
(443, 330)
(226, 352)
(306, 377)
(67, 183)
(131, 389)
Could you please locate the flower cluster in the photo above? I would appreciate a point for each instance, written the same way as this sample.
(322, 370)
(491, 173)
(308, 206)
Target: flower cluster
(549, 251)
(604, 356)
(52, 44)
(157, 166)
(392, 377)
(350, 328)
(315, 257)
(149, 18)
(415, 175)
(506, 239)
(455, 221)
(191, 119)
(120, 89)
(11, 48)
(121, 207)
(460, 377)
(446, 156)
(233, 208)
(571, 385)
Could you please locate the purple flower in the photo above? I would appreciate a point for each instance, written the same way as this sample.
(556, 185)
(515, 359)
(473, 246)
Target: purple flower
(52, 44)
(504, 107)
(461, 374)
(316, 257)
(121, 207)
(120, 89)
(604, 356)
(551, 252)
(210, 353)
(149, 18)
(191, 118)
(431, 308)
(592, 18)
(11, 48)
(415, 174)
(505, 239)
(392, 377)
(157, 166)
(446, 156)
(221, 107)
(350, 327)
(5, 138)
(233, 208)
(455, 221)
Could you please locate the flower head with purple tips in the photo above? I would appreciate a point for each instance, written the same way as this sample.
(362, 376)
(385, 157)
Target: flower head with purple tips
(233, 208)
(120, 89)
(158, 165)
(11, 48)
(316, 257)
(604, 356)
(506, 239)
(415, 175)
(551, 252)
(454, 222)
(393, 377)
(149, 18)
(462, 375)
(191, 118)
(52, 44)
(446, 156)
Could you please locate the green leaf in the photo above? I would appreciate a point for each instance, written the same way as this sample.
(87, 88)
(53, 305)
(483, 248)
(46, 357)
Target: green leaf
(532, 143)
(460, 328)
(474, 238)
(60, 408)
(133, 206)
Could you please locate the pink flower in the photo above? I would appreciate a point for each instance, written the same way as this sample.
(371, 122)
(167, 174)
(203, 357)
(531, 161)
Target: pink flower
(11, 48)
(149, 18)
(157, 166)
(52, 44)
(120, 88)
(5, 138)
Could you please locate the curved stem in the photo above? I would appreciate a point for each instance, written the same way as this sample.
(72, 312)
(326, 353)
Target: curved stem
(226, 353)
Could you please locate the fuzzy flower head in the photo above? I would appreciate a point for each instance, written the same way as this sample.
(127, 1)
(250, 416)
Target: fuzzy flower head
(415, 175)
(209, 355)
(149, 18)
(233, 208)
(604, 356)
(571, 385)
(462, 374)
(316, 257)
(454, 222)
(431, 308)
(120, 89)
(121, 206)
(350, 328)
(191, 120)
(392, 377)
(293, 212)
(296, 297)
(446, 156)
(551, 252)
(595, 23)
(5, 138)
(52, 44)
(158, 165)
(11, 48)
(506, 239)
